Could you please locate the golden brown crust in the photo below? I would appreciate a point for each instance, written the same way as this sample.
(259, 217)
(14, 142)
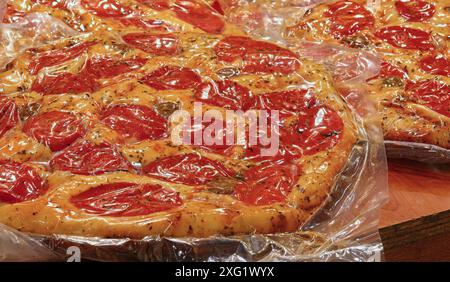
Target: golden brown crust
(79, 17)
(404, 118)
(203, 213)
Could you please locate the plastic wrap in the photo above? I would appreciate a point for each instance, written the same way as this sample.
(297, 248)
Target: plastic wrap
(343, 226)
(33, 31)
(382, 65)
(131, 15)
(350, 67)
(331, 235)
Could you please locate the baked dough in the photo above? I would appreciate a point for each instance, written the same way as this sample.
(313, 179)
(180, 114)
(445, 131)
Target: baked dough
(412, 90)
(87, 136)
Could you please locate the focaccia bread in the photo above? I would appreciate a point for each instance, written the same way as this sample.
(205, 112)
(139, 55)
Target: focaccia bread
(412, 90)
(129, 15)
(86, 143)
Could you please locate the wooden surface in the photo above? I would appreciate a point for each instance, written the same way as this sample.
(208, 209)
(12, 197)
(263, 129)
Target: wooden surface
(416, 190)
(415, 224)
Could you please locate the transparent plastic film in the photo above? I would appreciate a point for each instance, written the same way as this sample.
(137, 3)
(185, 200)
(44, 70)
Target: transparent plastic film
(402, 46)
(29, 23)
(20, 247)
(132, 15)
(32, 31)
(186, 146)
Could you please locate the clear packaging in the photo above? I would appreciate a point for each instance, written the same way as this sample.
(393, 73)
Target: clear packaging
(344, 227)
(34, 30)
(425, 131)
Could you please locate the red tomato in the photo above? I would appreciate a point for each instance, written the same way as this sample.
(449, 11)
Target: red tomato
(299, 102)
(62, 83)
(189, 169)
(86, 158)
(9, 115)
(347, 18)
(19, 183)
(386, 70)
(316, 130)
(172, 78)
(257, 56)
(198, 15)
(436, 64)
(192, 12)
(156, 44)
(106, 67)
(227, 94)
(389, 70)
(267, 184)
(55, 129)
(135, 122)
(406, 38)
(218, 7)
(126, 199)
(140, 21)
(431, 93)
(158, 5)
(291, 101)
(415, 10)
(56, 57)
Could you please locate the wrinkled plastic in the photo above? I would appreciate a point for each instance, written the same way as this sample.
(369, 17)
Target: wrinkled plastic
(353, 67)
(269, 20)
(350, 67)
(20, 247)
(33, 31)
(138, 15)
(344, 228)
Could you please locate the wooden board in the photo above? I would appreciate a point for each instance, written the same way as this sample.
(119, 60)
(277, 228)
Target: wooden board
(416, 220)
(416, 190)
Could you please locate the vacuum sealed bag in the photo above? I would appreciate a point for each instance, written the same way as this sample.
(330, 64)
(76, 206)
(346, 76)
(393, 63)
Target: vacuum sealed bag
(411, 88)
(126, 141)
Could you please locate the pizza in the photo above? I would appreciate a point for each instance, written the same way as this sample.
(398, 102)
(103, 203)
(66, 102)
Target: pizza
(87, 127)
(131, 15)
(412, 90)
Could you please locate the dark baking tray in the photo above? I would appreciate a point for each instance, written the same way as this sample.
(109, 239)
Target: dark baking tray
(417, 151)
